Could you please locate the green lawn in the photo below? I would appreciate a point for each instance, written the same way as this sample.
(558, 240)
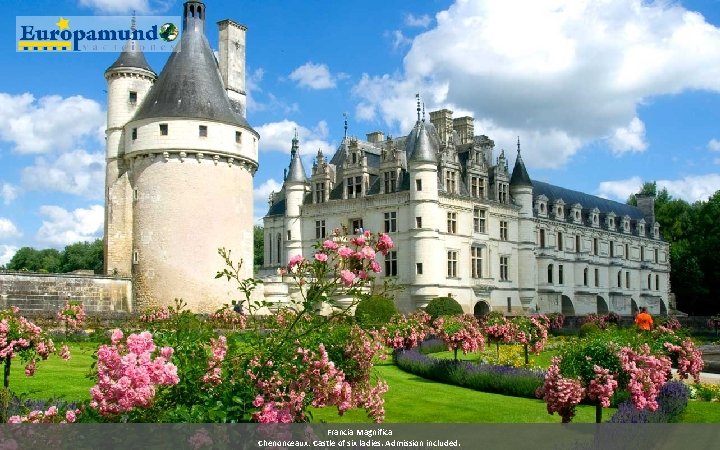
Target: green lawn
(412, 399)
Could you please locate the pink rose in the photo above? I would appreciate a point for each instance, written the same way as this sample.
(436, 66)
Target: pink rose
(345, 252)
(116, 336)
(295, 260)
(322, 257)
(347, 277)
(330, 245)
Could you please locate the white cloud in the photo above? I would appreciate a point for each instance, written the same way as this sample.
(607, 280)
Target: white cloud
(64, 227)
(261, 195)
(313, 76)
(690, 188)
(8, 229)
(417, 21)
(127, 6)
(620, 189)
(571, 68)
(277, 136)
(77, 172)
(630, 138)
(8, 192)
(6, 253)
(50, 123)
(714, 145)
(399, 40)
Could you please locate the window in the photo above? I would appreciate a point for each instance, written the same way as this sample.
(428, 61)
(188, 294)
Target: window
(476, 262)
(585, 277)
(238, 137)
(657, 282)
(202, 131)
(642, 254)
(503, 230)
(550, 274)
(450, 181)
(354, 158)
(502, 193)
(319, 229)
(612, 249)
(354, 187)
(619, 279)
(391, 266)
(289, 235)
(136, 257)
(627, 280)
(504, 268)
(649, 282)
(595, 246)
(269, 240)
(542, 238)
(134, 134)
(279, 247)
(132, 97)
(390, 181)
(135, 195)
(320, 192)
(452, 222)
(509, 304)
(418, 268)
(452, 263)
(561, 278)
(356, 226)
(479, 220)
(477, 187)
(163, 129)
(656, 257)
(559, 241)
(627, 251)
(390, 222)
(597, 278)
(418, 222)
(577, 243)
(418, 185)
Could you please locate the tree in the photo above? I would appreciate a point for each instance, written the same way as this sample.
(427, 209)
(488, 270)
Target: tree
(81, 255)
(31, 260)
(258, 243)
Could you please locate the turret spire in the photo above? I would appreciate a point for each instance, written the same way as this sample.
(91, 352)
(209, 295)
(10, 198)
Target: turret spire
(417, 97)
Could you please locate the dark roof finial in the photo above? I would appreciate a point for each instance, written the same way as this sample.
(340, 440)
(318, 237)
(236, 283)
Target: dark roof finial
(345, 115)
(423, 111)
(518, 145)
(133, 22)
(417, 97)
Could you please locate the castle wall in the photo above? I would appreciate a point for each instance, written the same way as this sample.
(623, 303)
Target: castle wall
(34, 292)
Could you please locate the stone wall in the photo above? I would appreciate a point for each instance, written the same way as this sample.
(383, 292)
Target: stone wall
(37, 293)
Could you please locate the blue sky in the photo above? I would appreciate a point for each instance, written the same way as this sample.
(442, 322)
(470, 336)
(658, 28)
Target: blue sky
(603, 94)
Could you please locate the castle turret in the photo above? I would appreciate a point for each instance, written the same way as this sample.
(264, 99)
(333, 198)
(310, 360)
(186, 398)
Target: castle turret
(421, 149)
(191, 159)
(521, 191)
(129, 79)
(295, 186)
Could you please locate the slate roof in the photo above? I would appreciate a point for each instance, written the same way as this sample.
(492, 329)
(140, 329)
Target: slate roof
(587, 201)
(131, 56)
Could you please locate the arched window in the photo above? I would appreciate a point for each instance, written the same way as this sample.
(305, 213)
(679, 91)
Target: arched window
(550, 273)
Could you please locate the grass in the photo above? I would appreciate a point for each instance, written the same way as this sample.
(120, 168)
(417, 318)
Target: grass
(701, 412)
(412, 399)
(56, 378)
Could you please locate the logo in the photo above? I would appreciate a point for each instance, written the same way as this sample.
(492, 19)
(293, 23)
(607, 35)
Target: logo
(95, 33)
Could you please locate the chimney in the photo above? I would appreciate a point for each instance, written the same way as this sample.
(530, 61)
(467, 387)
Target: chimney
(231, 59)
(646, 204)
(375, 137)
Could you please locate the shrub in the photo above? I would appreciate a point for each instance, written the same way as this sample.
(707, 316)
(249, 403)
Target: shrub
(443, 306)
(672, 400)
(375, 310)
(587, 329)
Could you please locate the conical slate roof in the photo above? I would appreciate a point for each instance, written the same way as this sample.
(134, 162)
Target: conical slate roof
(520, 176)
(131, 56)
(190, 85)
(422, 143)
(296, 173)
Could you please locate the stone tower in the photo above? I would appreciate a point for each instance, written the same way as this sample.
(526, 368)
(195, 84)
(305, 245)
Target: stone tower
(295, 186)
(189, 157)
(521, 190)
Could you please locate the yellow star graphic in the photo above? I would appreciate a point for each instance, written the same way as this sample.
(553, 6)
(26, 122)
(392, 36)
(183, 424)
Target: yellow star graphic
(64, 24)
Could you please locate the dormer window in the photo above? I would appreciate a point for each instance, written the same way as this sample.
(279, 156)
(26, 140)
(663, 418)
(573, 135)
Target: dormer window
(390, 181)
(450, 181)
(353, 158)
(320, 192)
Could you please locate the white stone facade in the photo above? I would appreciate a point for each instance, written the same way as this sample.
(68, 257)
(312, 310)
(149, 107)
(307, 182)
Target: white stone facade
(462, 227)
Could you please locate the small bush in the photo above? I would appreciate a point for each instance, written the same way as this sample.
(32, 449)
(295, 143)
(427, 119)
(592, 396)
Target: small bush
(587, 329)
(375, 310)
(443, 306)
(672, 400)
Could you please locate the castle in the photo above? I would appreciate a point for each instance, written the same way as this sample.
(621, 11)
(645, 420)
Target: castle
(180, 164)
(465, 226)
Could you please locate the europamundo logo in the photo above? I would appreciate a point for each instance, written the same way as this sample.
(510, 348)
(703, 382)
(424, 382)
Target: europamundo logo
(96, 33)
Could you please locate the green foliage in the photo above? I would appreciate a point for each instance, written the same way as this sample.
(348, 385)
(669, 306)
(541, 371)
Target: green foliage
(258, 243)
(375, 310)
(587, 329)
(443, 306)
(78, 256)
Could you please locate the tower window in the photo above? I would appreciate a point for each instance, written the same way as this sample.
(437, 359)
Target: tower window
(163, 129)
(418, 222)
(132, 97)
(202, 131)
(597, 278)
(418, 268)
(238, 137)
(134, 134)
(418, 185)
(136, 257)
(135, 194)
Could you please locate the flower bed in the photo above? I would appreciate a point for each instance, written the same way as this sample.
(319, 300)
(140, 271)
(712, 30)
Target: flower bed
(672, 401)
(505, 380)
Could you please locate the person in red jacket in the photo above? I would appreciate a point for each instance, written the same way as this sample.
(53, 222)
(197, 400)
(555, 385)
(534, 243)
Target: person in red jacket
(644, 320)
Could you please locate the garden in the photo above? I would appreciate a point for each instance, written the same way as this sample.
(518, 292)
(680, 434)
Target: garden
(361, 362)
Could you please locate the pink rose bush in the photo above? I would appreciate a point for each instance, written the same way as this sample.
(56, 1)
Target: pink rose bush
(129, 375)
(160, 314)
(406, 332)
(226, 316)
(460, 333)
(72, 314)
(51, 415)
